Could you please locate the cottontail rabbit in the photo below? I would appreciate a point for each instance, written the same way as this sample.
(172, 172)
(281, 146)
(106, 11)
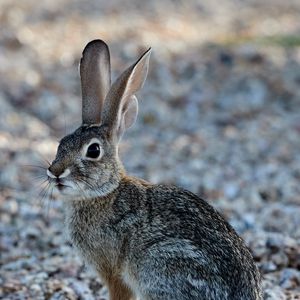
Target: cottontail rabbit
(147, 241)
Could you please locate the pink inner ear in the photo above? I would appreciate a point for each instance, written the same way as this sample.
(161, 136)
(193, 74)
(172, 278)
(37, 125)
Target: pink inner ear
(131, 112)
(120, 105)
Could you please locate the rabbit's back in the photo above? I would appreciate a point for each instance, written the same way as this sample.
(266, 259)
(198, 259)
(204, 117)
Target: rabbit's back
(188, 250)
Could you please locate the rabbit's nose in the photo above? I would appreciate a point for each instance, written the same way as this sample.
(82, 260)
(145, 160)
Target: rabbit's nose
(57, 173)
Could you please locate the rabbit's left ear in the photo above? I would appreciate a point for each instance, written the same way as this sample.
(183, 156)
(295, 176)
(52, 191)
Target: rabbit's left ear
(121, 106)
(95, 80)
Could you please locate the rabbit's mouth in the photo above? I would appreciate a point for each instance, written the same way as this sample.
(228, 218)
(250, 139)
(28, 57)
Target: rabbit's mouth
(61, 186)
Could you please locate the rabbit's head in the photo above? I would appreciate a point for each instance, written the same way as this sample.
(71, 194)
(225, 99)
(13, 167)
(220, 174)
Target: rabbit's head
(86, 164)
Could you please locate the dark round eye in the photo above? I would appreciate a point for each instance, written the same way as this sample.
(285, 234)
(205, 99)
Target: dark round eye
(93, 151)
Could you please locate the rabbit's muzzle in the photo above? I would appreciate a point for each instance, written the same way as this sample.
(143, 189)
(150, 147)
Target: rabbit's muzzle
(57, 175)
(57, 170)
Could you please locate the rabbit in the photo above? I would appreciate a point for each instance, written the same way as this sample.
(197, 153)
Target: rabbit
(146, 241)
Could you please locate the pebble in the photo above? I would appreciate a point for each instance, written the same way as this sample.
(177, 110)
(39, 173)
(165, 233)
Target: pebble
(290, 279)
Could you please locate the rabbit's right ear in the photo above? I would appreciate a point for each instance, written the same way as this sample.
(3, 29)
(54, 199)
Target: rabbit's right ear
(95, 80)
(121, 106)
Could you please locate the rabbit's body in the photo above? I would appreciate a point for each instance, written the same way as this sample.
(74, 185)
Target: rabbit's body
(147, 241)
(163, 243)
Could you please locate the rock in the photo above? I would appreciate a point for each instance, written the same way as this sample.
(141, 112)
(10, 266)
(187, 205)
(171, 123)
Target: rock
(290, 278)
(268, 266)
(231, 191)
(82, 290)
(274, 294)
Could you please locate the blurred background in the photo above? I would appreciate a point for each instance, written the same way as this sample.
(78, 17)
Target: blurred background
(219, 115)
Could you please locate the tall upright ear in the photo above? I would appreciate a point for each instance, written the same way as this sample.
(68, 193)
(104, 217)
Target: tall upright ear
(121, 106)
(95, 80)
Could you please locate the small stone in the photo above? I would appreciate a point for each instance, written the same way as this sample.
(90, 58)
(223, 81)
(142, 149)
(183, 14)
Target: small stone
(268, 266)
(35, 287)
(290, 278)
(280, 259)
(82, 290)
(230, 190)
(276, 293)
(226, 58)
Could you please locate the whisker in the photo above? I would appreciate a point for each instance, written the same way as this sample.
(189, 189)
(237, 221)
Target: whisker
(43, 193)
(42, 182)
(35, 166)
(43, 160)
(45, 200)
(82, 191)
(50, 197)
(85, 182)
(39, 177)
(43, 190)
(92, 187)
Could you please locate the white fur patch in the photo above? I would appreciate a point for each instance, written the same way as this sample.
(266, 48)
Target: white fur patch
(65, 173)
(49, 173)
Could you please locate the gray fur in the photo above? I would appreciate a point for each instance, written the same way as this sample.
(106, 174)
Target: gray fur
(144, 240)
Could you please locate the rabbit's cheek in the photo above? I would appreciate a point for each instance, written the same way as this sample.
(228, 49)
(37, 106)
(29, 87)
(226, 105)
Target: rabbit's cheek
(70, 192)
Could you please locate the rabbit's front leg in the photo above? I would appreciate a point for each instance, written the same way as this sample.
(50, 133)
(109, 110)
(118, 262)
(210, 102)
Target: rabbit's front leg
(118, 290)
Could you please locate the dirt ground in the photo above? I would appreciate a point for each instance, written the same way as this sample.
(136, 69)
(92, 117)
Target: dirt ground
(219, 115)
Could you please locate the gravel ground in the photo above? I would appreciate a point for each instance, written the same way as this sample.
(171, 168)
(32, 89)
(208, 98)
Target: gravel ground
(219, 115)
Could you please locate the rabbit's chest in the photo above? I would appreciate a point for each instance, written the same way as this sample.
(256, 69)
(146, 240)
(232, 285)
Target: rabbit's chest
(95, 240)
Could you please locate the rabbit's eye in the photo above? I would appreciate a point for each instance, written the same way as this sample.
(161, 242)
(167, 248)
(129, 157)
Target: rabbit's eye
(93, 151)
